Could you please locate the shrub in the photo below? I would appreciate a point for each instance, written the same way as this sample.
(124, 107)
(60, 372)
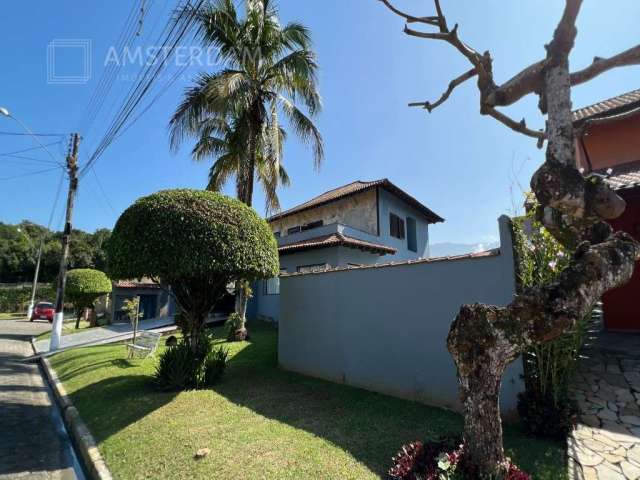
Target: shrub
(17, 299)
(545, 407)
(441, 459)
(197, 242)
(84, 286)
(232, 326)
(187, 366)
(547, 417)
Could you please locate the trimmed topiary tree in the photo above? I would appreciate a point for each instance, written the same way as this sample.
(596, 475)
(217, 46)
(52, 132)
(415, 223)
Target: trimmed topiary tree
(84, 287)
(196, 241)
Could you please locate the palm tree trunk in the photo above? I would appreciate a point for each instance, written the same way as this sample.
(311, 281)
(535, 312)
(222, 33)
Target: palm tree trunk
(245, 195)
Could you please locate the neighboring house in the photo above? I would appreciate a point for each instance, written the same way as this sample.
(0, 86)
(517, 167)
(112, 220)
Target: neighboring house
(608, 143)
(154, 301)
(362, 223)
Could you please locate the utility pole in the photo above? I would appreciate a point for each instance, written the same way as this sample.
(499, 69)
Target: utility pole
(72, 171)
(34, 287)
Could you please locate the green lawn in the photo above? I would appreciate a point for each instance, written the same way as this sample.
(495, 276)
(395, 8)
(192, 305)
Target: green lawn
(259, 421)
(11, 316)
(68, 327)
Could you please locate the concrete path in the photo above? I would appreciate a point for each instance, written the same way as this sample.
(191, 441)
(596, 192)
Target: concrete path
(33, 443)
(606, 444)
(108, 334)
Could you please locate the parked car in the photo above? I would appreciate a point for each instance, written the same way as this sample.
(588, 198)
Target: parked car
(44, 311)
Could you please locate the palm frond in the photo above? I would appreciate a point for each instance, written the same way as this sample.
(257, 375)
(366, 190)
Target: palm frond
(304, 128)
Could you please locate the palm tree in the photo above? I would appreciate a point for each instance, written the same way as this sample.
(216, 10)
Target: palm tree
(225, 141)
(267, 69)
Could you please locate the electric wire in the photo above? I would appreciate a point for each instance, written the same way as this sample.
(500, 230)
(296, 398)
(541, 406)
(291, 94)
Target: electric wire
(102, 191)
(109, 74)
(27, 174)
(24, 134)
(172, 35)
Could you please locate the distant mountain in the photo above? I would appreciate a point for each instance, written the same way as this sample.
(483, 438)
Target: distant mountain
(447, 249)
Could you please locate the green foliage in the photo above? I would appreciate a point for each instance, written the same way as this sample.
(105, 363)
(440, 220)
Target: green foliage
(269, 71)
(549, 367)
(178, 234)
(17, 299)
(19, 246)
(197, 242)
(233, 323)
(183, 367)
(131, 307)
(541, 417)
(85, 285)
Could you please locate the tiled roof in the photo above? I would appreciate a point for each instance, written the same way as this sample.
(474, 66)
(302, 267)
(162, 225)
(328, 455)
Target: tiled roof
(614, 106)
(135, 284)
(467, 256)
(623, 176)
(358, 187)
(333, 240)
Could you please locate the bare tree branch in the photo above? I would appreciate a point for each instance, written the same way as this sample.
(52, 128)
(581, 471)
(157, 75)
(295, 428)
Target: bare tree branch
(411, 18)
(601, 65)
(452, 85)
(520, 127)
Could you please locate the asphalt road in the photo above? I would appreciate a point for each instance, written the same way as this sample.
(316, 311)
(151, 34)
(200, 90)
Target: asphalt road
(33, 441)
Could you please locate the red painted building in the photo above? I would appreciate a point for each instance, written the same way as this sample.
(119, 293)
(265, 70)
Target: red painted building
(608, 142)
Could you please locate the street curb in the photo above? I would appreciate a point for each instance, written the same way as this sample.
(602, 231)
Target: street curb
(33, 345)
(84, 441)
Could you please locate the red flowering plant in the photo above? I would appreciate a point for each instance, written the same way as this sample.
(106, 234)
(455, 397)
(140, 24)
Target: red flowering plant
(440, 460)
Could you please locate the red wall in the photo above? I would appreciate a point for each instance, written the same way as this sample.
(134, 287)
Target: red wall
(621, 306)
(610, 144)
(601, 146)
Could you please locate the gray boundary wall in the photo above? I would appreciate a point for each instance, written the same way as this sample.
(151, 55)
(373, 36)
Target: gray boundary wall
(384, 328)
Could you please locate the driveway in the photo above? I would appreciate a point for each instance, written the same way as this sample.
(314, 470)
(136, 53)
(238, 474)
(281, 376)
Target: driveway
(33, 442)
(116, 332)
(606, 443)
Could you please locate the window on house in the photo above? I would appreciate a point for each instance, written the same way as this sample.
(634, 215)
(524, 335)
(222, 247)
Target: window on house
(319, 267)
(412, 241)
(276, 234)
(312, 225)
(295, 229)
(396, 226)
(272, 285)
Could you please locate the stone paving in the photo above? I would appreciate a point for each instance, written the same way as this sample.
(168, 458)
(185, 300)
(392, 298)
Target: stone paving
(606, 442)
(32, 444)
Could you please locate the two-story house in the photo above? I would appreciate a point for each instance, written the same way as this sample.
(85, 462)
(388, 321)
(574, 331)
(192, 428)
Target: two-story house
(362, 223)
(608, 143)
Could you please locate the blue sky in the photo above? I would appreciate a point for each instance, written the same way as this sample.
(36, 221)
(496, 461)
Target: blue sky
(460, 164)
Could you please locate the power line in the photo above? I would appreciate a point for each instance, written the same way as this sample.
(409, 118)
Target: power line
(104, 194)
(33, 148)
(22, 134)
(109, 74)
(56, 200)
(177, 30)
(22, 157)
(22, 175)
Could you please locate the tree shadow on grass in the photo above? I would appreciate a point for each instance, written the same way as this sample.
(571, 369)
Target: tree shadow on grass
(371, 427)
(136, 397)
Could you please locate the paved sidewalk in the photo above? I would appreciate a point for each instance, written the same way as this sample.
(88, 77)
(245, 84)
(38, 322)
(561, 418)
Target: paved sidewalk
(606, 444)
(116, 332)
(33, 444)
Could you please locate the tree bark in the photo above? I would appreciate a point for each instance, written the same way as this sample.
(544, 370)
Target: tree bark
(481, 356)
(245, 195)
